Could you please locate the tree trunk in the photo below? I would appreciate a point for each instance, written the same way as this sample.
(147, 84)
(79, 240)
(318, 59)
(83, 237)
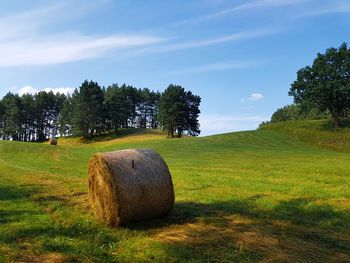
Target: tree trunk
(179, 132)
(336, 119)
(172, 131)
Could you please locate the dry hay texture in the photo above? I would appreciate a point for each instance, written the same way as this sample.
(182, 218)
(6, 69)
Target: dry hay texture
(53, 141)
(129, 185)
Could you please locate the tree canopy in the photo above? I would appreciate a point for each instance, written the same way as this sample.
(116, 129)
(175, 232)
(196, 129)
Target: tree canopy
(179, 111)
(297, 112)
(326, 84)
(92, 110)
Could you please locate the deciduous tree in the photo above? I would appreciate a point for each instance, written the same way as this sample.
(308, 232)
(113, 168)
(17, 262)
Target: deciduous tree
(326, 84)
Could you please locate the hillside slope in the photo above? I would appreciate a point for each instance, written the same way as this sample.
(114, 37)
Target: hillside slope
(315, 132)
(242, 197)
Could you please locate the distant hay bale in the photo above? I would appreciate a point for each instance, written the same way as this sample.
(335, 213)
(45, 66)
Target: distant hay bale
(53, 141)
(129, 185)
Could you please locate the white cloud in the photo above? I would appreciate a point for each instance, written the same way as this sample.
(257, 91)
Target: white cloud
(31, 90)
(24, 42)
(256, 96)
(219, 66)
(218, 40)
(27, 90)
(27, 23)
(61, 90)
(207, 42)
(60, 49)
(215, 123)
(325, 10)
(246, 6)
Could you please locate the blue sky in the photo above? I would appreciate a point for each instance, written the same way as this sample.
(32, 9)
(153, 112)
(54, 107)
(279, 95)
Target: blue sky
(239, 56)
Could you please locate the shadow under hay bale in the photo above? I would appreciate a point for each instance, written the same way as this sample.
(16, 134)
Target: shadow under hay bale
(129, 185)
(53, 141)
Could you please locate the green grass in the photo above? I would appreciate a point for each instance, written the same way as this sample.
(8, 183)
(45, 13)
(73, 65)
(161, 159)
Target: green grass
(240, 197)
(316, 132)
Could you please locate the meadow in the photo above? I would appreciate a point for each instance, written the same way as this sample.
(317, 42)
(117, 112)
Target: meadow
(254, 196)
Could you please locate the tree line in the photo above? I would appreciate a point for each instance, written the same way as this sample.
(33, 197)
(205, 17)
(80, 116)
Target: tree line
(321, 90)
(94, 110)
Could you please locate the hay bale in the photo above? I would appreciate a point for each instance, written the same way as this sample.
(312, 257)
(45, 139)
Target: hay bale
(129, 185)
(53, 141)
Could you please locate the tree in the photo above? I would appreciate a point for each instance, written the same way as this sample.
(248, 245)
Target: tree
(192, 123)
(88, 109)
(118, 107)
(297, 112)
(65, 117)
(28, 117)
(92, 110)
(179, 111)
(153, 109)
(47, 111)
(326, 84)
(2, 114)
(11, 116)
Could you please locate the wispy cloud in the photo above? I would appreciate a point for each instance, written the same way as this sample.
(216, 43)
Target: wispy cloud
(243, 7)
(217, 40)
(27, 23)
(220, 66)
(343, 7)
(216, 123)
(23, 42)
(60, 49)
(31, 90)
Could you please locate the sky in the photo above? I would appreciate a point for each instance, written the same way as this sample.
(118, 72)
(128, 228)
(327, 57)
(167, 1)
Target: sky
(239, 56)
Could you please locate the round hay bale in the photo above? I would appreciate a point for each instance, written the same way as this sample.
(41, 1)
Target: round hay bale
(129, 185)
(53, 141)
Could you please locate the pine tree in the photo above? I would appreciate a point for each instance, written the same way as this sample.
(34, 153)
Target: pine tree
(118, 107)
(88, 117)
(179, 111)
(11, 116)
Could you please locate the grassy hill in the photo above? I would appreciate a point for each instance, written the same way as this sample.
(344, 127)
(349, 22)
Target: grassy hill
(316, 132)
(242, 197)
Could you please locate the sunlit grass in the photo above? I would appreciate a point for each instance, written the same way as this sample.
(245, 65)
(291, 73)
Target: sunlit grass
(317, 132)
(246, 196)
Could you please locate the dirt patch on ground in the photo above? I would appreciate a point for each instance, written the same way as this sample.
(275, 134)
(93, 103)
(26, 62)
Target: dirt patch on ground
(46, 258)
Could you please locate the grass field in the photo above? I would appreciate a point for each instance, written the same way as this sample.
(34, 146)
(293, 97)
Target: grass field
(316, 132)
(255, 196)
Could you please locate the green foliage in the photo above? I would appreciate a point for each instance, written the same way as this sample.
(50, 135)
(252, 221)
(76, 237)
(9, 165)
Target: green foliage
(65, 119)
(47, 108)
(90, 111)
(148, 110)
(179, 111)
(118, 106)
(326, 84)
(30, 117)
(289, 112)
(297, 112)
(11, 116)
(87, 109)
